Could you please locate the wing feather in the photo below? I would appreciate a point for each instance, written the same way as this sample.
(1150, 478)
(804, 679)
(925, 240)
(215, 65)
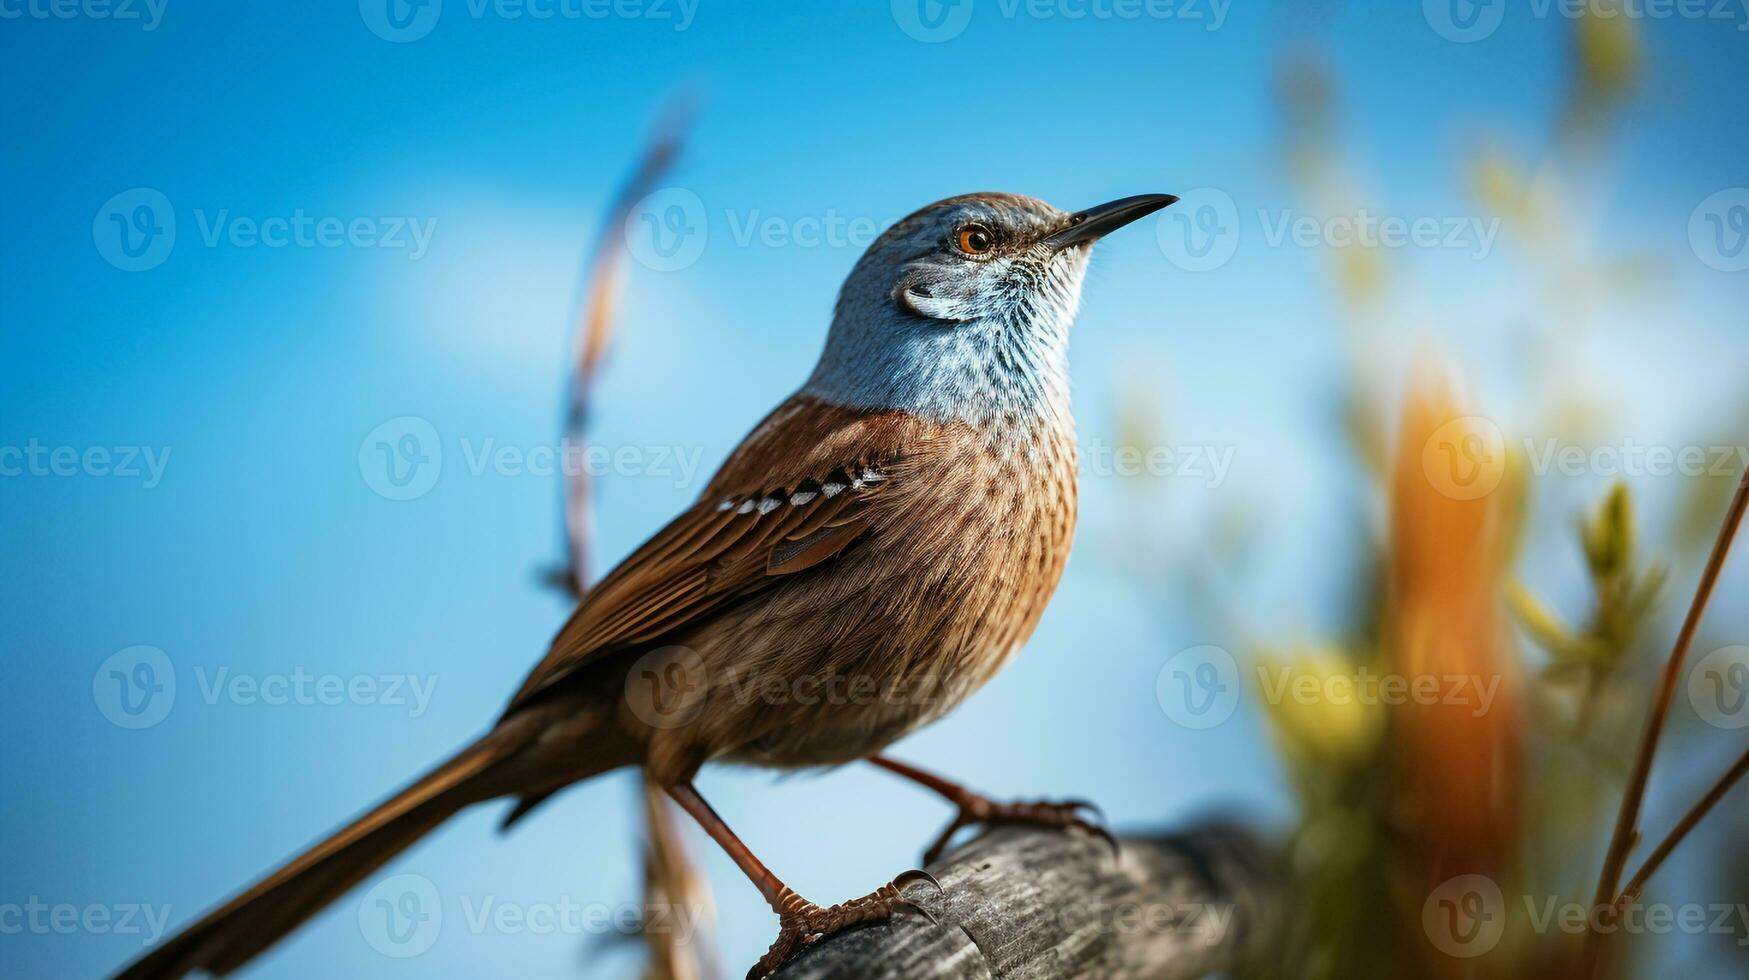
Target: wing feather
(801, 490)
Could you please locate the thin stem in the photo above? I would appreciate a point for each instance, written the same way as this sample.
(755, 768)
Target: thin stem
(1627, 820)
(1682, 829)
(669, 870)
(603, 272)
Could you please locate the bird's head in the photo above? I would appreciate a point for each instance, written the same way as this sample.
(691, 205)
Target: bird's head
(961, 311)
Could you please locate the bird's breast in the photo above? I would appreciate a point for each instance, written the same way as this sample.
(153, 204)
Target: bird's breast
(967, 533)
(943, 597)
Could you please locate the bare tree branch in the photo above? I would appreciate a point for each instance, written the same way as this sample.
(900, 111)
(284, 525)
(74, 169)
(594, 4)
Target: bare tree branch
(1025, 904)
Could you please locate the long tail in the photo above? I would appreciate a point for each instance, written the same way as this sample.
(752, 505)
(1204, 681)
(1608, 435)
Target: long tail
(230, 936)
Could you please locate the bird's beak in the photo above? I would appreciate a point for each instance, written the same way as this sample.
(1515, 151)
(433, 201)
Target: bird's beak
(1095, 223)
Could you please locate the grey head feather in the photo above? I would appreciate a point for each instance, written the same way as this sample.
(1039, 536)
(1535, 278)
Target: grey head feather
(925, 326)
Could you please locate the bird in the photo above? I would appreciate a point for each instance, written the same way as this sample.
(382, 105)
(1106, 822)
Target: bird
(873, 552)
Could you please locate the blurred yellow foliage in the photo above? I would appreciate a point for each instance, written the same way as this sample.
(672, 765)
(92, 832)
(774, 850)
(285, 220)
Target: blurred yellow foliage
(1318, 708)
(1608, 49)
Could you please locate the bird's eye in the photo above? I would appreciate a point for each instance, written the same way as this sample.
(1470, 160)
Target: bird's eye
(976, 240)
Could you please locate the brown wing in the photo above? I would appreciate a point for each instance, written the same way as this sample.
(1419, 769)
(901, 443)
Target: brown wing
(803, 487)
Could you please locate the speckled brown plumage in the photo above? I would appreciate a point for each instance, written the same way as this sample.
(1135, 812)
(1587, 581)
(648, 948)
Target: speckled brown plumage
(918, 579)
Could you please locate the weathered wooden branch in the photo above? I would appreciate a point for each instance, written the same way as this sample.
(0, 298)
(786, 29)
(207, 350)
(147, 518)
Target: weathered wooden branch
(1024, 904)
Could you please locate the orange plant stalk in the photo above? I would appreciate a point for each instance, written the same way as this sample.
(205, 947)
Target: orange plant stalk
(1456, 748)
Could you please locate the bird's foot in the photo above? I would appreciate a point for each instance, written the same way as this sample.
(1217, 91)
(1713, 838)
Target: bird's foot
(977, 810)
(802, 922)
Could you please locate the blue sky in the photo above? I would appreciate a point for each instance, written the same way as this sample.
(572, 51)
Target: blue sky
(460, 175)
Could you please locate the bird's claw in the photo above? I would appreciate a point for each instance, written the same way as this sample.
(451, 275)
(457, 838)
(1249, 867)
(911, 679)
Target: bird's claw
(914, 876)
(1064, 815)
(801, 922)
